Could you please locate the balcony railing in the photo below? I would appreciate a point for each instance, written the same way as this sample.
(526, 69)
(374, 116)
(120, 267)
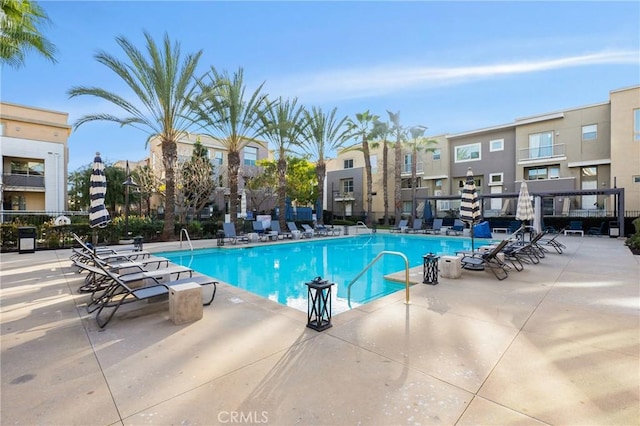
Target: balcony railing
(541, 153)
(22, 181)
(406, 168)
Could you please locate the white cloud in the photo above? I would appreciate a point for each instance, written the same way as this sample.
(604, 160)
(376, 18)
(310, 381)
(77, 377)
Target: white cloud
(380, 80)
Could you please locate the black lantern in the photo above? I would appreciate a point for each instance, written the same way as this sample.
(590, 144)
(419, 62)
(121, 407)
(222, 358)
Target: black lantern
(430, 269)
(319, 304)
(220, 237)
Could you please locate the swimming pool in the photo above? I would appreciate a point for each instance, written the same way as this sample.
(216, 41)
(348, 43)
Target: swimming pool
(279, 271)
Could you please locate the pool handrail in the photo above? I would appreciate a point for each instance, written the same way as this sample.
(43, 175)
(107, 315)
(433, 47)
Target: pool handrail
(186, 233)
(365, 226)
(407, 300)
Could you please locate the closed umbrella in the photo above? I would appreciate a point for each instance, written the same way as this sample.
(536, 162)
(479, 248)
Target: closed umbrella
(98, 214)
(428, 213)
(243, 204)
(470, 204)
(524, 211)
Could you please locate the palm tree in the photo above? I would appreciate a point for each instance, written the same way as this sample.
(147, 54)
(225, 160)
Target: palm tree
(233, 119)
(363, 128)
(382, 131)
(163, 83)
(19, 32)
(284, 126)
(417, 144)
(323, 133)
(399, 133)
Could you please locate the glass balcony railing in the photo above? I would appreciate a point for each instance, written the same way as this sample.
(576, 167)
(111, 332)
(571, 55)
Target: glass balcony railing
(540, 153)
(406, 168)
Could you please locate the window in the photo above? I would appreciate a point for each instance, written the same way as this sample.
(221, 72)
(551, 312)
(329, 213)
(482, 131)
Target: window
(347, 186)
(590, 132)
(250, 156)
(348, 164)
(217, 159)
(636, 179)
(469, 152)
(407, 207)
(496, 145)
(407, 163)
(544, 172)
(31, 168)
(496, 178)
(438, 183)
(636, 124)
(436, 154)
(462, 181)
(540, 145)
(373, 160)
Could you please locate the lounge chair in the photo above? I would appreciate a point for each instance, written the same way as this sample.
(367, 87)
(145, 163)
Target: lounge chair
(293, 228)
(333, 232)
(416, 227)
(108, 252)
(401, 226)
(489, 259)
(258, 228)
(230, 233)
(119, 292)
(457, 228)
(598, 231)
(275, 227)
(436, 228)
(309, 231)
(575, 227)
(553, 242)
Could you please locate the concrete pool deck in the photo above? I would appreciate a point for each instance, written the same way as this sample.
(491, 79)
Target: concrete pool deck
(558, 343)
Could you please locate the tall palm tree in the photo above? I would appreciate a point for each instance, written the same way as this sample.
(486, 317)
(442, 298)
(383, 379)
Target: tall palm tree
(284, 127)
(417, 144)
(382, 131)
(323, 133)
(162, 82)
(399, 133)
(20, 33)
(226, 113)
(363, 128)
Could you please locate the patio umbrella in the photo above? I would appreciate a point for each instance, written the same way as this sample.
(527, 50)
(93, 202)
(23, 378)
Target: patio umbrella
(470, 205)
(428, 213)
(524, 210)
(243, 204)
(98, 214)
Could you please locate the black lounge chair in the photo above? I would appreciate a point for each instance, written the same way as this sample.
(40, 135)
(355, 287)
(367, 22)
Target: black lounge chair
(489, 259)
(119, 292)
(553, 242)
(598, 231)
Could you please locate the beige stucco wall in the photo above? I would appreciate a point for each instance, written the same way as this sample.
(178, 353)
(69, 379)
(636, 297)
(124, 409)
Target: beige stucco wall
(625, 151)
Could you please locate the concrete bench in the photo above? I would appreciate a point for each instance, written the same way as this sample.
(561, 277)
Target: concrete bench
(185, 303)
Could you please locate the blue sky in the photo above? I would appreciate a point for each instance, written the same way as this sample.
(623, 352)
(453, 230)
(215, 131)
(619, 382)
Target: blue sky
(450, 66)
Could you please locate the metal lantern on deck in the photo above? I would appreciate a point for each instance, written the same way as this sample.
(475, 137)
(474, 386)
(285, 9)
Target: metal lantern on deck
(430, 269)
(319, 304)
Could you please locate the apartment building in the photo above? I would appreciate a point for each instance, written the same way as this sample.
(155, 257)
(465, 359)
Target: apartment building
(218, 154)
(34, 151)
(591, 148)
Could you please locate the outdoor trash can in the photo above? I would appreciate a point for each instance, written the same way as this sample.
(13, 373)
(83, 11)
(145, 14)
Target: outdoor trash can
(26, 239)
(614, 230)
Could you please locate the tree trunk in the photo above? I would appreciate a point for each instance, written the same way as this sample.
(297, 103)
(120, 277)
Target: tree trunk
(282, 190)
(367, 169)
(169, 158)
(385, 179)
(398, 180)
(234, 166)
(414, 180)
(321, 168)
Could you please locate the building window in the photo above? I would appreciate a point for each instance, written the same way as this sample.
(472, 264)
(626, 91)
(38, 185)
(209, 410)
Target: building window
(217, 159)
(496, 178)
(469, 152)
(496, 145)
(636, 179)
(636, 124)
(407, 163)
(373, 161)
(540, 145)
(462, 181)
(590, 132)
(250, 156)
(436, 154)
(347, 186)
(407, 207)
(543, 172)
(438, 183)
(348, 164)
(25, 167)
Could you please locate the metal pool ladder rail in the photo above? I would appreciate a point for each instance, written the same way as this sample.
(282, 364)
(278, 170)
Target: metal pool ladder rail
(407, 300)
(361, 223)
(184, 231)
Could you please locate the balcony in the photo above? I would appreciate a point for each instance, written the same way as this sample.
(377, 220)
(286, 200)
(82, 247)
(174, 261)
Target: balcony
(345, 196)
(541, 153)
(22, 181)
(406, 169)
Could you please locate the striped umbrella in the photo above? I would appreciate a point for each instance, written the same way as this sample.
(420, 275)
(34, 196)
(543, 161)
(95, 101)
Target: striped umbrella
(470, 204)
(524, 210)
(98, 214)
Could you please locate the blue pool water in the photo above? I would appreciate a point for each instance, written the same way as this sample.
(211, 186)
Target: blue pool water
(279, 271)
